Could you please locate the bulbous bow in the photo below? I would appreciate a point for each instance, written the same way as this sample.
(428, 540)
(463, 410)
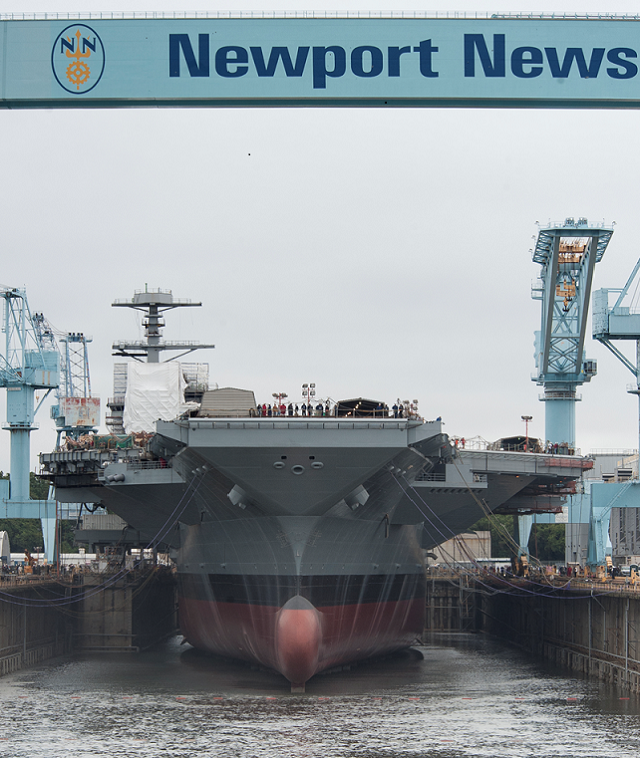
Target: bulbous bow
(298, 635)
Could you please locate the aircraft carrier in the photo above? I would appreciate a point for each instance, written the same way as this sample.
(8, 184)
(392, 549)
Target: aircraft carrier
(299, 540)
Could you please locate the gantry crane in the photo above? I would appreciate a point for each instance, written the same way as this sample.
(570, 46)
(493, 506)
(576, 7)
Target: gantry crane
(77, 412)
(568, 254)
(31, 362)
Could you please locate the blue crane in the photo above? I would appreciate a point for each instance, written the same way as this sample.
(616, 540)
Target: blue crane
(31, 362)
(76, 412)
(568, 254)
(609, 324)
(622, 322)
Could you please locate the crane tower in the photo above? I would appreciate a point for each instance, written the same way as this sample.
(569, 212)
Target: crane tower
(30, 362)
(76, 412)
(567, 253)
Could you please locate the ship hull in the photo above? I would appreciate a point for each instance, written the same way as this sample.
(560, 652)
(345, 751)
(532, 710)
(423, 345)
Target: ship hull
(285, 615)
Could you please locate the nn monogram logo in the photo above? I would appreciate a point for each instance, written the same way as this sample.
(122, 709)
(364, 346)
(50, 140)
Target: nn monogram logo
(77, 59)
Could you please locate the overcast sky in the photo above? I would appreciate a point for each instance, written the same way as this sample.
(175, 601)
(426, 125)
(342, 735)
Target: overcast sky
(377, 253)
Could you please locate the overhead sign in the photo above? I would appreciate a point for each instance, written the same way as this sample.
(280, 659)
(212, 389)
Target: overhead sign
(318, 62)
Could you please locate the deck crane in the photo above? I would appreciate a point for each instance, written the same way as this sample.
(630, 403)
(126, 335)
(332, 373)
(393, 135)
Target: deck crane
(31, 362)
(568, 254)
(76, 411)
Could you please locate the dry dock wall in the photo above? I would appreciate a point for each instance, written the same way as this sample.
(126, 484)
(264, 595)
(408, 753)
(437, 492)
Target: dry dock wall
(590, 628)
(29, 632)
(594, 630)
(93, 612)
(128, 615)
(450, 604)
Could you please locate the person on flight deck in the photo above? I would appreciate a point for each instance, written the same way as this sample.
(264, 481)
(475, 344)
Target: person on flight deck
(269, 410)
(259, 410)
(394, 408)
(264, 409)
(326, 409)
(304, 409)
(290, 409)
(296, 410)
(283, 409)
(319, 409)
(401, 411)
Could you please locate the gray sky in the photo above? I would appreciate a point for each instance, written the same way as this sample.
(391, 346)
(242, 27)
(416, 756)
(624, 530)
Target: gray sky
(377, 253)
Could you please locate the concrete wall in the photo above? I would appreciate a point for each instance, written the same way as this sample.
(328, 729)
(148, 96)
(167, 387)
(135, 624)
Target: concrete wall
(594, 631)
(450, 607)
(132, 613)
(29, 633)
(597, 635)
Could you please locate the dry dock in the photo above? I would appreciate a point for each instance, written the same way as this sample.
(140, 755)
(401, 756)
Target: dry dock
(45, 616)
(590, 627)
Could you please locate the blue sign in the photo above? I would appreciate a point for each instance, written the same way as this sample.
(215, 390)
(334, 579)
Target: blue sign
(316, 62)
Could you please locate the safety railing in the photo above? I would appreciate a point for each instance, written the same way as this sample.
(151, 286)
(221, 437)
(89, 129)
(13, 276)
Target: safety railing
(108, 15)
(135, 465)
(431, 477)
(300, 422)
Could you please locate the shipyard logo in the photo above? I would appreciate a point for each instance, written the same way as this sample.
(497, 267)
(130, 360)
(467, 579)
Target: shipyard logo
(78, 59)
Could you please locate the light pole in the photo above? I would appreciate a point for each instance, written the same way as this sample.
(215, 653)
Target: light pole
(308, 392)
(526, 420)
(279, 396)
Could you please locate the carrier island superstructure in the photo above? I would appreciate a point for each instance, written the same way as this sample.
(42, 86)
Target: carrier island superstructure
(299, 541)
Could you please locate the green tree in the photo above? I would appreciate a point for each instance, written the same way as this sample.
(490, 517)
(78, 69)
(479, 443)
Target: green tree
(38, 488)
(26, 533)
(547, 542)
(501, 528)
(68, 537)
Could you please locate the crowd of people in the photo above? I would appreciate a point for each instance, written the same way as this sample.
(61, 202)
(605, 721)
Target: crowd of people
(553, 448)
(295, 410)
(327, 408)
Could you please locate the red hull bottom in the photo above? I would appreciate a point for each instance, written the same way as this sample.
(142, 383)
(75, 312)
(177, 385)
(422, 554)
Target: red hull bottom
(299, 640)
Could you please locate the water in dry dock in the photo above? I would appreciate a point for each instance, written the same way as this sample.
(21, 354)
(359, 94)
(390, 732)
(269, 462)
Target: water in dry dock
(464, 696)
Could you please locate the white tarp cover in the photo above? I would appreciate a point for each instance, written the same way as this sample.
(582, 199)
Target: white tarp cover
(154, 391)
